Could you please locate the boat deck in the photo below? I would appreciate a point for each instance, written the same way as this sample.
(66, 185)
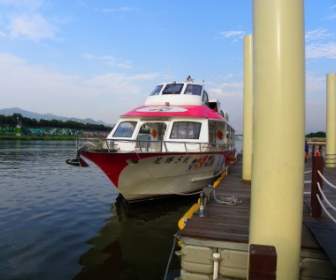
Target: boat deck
(231, 223)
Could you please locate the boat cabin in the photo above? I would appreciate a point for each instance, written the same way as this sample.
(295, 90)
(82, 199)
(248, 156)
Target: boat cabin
(177, 117)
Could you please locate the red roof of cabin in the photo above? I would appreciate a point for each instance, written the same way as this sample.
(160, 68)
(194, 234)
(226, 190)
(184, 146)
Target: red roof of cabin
(199, 111)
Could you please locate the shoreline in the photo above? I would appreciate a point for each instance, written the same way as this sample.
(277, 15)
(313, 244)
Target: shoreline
(38, 138)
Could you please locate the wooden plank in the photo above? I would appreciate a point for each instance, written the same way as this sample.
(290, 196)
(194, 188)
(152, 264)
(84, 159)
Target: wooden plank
(224, 222)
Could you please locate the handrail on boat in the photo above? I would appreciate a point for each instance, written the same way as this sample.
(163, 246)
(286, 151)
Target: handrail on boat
(111, 145)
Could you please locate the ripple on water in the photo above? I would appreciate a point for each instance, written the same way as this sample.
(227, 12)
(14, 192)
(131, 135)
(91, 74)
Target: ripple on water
(60, 222)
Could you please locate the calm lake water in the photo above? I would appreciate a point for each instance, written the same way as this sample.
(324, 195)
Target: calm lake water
(62, 222)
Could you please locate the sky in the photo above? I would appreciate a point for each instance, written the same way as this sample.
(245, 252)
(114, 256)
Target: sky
(99, 58)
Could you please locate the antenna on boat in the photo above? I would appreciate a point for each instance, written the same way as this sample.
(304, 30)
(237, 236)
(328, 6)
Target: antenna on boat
(189, 79)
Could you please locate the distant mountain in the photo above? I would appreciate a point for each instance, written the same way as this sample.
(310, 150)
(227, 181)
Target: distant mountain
(37, 116)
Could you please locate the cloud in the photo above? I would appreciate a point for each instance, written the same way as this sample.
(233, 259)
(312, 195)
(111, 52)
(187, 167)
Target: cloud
(229, 91)
(318, 34)
(226, 89)
(26, 5)
(320, 44)
(321, 50)
(34, 27)
(109, 60)
(24, 19)
(315, 102)
(233, 34)
(315, 84)
(40, 89)
(122, 9)
(333, 15)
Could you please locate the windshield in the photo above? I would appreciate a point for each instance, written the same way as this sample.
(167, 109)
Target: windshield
(194, 90)
(156, 90)
(173, 89)
(125, 129)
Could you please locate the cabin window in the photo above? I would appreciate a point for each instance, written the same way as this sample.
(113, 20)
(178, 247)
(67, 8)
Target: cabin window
(157, 90)
(125, 129)
(193, 90)
(186, 130)
(152, 132)
(173, 89)
(217, 132)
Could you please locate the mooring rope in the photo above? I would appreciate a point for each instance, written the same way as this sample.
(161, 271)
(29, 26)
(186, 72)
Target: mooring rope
(186, 194)
(326, 180)
(325, 198)
(231, 200)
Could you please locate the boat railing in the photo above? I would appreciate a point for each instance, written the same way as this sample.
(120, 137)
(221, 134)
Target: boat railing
(149, 146)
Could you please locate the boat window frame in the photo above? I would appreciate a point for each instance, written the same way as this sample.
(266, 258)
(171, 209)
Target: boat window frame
(161, 86)
(143, 122)
(125, 137)
(185, 139)
(212, 134)
(191, 93)
(172, 94)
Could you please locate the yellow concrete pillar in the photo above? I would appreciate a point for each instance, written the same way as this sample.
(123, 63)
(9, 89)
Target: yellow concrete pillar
(278, 131)
(248, 108)
(331, 120)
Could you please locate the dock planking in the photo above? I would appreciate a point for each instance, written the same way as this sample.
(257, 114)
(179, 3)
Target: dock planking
(231, 223)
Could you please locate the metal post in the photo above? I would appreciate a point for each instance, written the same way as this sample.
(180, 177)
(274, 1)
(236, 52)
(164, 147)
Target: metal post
(278, 131)
(202, 205)
(316, 178)
(313, 150)
(248, 108)
(331, 120)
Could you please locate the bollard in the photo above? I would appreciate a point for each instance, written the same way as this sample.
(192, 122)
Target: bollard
(313, 151)
(318, 164)
(202, 205)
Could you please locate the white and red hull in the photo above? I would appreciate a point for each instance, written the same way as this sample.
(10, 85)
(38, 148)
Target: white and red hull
(139, 176)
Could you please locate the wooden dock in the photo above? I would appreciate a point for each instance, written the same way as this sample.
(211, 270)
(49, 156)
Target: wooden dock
(223, 222)
(225, 229)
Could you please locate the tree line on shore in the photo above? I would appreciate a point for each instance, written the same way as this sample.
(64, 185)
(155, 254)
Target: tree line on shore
(13, 120)
(319, 134)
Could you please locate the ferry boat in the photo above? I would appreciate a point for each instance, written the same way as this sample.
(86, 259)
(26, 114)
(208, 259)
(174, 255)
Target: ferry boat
(176, 143)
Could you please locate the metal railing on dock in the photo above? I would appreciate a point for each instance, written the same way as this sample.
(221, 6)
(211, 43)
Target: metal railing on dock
(319, 199)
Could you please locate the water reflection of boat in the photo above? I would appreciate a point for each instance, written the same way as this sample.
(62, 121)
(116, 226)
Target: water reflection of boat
(178, 142)
(134, 243)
